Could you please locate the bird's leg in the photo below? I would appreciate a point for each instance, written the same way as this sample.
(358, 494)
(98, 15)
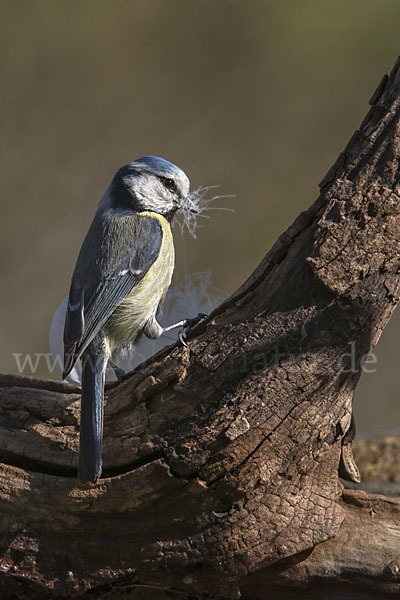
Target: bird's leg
(120, 373)
(186, 324)
(153, 329)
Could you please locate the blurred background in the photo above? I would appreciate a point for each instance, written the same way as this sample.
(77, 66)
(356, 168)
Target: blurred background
(257, 96)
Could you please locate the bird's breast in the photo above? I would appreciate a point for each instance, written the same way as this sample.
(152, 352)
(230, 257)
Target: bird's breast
(132, 314)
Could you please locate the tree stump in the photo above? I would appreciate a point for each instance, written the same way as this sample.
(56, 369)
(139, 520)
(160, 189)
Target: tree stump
(222, 459)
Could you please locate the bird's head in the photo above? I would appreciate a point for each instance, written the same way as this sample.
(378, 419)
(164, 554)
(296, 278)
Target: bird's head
(150, 183)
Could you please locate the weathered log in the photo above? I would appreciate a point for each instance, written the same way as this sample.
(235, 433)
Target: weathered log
(221, 459)
(361, 561)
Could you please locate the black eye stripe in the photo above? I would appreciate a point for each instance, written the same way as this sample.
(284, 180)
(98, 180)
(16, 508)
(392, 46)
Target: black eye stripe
(169, 183)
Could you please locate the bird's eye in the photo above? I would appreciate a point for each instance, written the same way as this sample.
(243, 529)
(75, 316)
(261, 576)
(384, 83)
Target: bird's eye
(169, 183)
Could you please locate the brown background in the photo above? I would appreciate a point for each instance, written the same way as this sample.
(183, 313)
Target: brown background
(258, 97)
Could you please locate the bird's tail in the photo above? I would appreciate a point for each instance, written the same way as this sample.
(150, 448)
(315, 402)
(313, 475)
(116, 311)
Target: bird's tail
(91, 430)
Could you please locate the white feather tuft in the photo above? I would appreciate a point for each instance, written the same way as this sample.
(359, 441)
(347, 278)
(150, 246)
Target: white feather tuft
(194, 205)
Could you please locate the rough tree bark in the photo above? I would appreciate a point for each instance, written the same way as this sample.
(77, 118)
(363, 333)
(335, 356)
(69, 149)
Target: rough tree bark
(221, 459)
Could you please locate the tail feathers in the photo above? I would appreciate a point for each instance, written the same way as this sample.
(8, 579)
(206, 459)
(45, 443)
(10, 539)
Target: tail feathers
(91, 429)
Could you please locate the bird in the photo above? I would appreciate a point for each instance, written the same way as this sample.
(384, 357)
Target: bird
(121, 277)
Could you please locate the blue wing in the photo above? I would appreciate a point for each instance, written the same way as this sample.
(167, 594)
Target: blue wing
(91, 305)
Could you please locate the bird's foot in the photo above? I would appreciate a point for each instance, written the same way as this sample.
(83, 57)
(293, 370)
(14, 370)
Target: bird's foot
(188, 324)
(119, 373)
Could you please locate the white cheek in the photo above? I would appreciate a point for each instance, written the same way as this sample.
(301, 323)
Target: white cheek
(141, 189)
(151, 195)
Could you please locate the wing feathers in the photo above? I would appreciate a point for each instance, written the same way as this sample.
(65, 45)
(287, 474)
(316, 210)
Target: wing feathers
(88, 310)
(74, 323)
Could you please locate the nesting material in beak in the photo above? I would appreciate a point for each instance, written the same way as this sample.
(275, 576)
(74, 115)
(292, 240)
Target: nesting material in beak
(194, 205)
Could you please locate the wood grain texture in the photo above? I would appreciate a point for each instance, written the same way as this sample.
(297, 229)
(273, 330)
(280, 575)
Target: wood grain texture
(221, 459)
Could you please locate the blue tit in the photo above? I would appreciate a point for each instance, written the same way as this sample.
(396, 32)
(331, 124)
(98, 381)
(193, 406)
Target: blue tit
(121, 277)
